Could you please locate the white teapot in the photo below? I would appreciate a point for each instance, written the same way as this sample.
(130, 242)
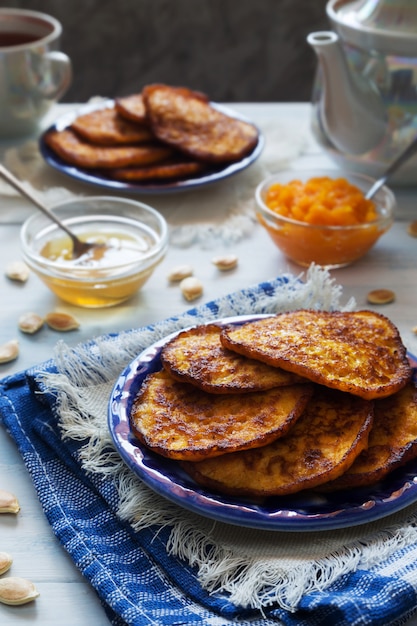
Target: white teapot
(365, 92)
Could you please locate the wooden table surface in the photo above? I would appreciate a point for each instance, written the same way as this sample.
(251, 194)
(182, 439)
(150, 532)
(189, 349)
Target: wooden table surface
(65, 597)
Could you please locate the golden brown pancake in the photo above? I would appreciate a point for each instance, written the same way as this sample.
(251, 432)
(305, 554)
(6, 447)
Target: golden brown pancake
(132, 108)
(357, 352)
(186, 120)
(106, 127)
(392, 441)
(196, 356)
(71, 149)
(180, 421)
(177, 169)
(321, 445)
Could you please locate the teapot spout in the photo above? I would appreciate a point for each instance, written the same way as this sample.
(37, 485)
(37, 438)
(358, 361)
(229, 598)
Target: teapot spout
(351, 110)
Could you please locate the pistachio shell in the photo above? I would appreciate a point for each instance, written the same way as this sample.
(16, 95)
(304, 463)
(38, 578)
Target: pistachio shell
(412, 229)
(8, 502)
(30, 323)
(5, 562)
(9, 351)
(179, 272)
(191, 288)
(381, 296)
(16, 591)
(225, 262)
(17, 270)
(61, 321)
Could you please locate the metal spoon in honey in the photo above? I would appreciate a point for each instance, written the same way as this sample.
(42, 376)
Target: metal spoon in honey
(79, 248)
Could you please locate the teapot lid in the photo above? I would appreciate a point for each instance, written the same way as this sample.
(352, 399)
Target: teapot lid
(386, 26)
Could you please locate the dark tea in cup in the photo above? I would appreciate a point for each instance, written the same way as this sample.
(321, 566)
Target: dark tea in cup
(16, 39)
(34, 74)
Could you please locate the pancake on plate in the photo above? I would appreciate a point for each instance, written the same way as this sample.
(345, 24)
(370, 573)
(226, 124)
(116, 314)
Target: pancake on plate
(358, 352)
(321, 445)
(74, 150)
(196, 356)
(392, 441)
(186, 120)
(173, 168)
(106, 127)
(132, 108)
(180, 421)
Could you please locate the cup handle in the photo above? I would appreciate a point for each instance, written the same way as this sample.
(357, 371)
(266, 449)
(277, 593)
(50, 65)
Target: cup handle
(61, 74)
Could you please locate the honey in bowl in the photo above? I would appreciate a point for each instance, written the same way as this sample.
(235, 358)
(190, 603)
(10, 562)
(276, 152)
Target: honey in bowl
(109, 274)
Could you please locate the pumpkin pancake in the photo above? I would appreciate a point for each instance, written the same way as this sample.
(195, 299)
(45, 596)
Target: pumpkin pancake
(177, 169)
(321, 445)
(106, 127)
(186, 120)
(358, 352)
(196, 356)
(180, 421)
(132, 108)
(74, 150)
(392, 441)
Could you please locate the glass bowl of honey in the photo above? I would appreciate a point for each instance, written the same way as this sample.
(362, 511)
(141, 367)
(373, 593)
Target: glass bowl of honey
(133, 238)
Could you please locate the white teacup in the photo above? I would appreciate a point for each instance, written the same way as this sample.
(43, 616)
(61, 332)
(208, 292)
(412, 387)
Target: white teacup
(33, 73)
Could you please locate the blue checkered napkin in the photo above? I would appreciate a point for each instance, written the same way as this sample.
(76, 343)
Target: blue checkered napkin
(361, 598)
(137, 581)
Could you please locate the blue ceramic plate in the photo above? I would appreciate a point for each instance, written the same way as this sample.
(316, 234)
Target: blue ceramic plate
(303, 512)
(95, 177)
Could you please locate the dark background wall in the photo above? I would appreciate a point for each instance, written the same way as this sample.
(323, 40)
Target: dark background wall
(234, 50)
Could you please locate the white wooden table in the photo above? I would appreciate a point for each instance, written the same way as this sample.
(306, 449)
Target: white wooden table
(65, 597)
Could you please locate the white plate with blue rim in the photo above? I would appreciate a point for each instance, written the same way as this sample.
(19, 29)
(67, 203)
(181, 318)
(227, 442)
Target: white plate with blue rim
(98, 177)
(306, 511)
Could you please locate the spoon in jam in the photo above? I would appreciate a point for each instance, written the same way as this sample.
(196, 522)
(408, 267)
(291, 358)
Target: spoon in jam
(400, 160)
(79, 248)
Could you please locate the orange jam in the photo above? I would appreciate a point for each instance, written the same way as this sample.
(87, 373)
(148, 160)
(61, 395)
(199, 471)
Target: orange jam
(325, 201)
(335, 225)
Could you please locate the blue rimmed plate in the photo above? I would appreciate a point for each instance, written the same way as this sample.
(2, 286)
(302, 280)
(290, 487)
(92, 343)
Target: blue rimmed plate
(97, 178)
(303, 512)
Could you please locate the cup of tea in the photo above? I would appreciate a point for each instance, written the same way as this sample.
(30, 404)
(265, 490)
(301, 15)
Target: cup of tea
(34, 73)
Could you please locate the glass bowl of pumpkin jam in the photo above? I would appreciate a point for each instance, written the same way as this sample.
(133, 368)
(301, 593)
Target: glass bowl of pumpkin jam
(322, 216)
(133, 238)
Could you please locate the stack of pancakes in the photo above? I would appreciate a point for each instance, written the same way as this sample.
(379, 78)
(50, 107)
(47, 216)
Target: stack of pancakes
(161, 133)
(300, 400)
